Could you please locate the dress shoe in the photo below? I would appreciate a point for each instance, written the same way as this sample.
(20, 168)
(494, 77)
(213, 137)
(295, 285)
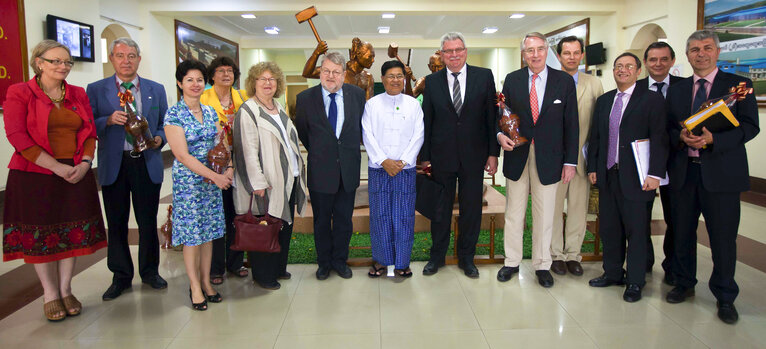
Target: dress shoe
(269, 285)
(114, 291)
(432, 268)
(559, 267)
(544, 278)
(632, 293)
(679, 294)
(603, 281)
(727, 312)
(344, 271)
(323, 273)
(469, 269)
(285, 276)
(574, 267)
(669, 279)
(156, 282)
(506, 273)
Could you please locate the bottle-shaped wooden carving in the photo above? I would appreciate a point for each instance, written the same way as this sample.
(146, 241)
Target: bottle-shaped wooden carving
(219, 156)
(166, 230)
(136, 127)
(509, 122)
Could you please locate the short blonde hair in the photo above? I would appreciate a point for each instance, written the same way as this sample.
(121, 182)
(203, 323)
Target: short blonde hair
(257, 70)
(41, 48)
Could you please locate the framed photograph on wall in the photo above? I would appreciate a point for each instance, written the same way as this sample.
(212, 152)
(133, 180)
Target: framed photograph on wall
(204, 46)
(741, 28)
(580, 29)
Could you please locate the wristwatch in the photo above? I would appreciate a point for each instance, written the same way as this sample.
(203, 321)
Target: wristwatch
(90, 163)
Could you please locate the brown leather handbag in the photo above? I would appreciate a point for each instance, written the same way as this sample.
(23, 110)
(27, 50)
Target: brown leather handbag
(254, 233)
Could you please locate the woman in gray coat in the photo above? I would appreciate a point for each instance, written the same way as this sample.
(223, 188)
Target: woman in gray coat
(268, 165)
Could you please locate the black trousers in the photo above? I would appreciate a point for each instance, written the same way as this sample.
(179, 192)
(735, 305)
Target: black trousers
(332, 226)
(622, 220)
(267, 267)
(224, 258)
(721, 212)
(667, 243)
(132, 182)
(469, 195)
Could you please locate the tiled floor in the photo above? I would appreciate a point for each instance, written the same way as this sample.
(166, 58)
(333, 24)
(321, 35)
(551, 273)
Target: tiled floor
(446, 310)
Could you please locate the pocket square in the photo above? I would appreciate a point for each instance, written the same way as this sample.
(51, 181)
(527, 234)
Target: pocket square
(558, 101)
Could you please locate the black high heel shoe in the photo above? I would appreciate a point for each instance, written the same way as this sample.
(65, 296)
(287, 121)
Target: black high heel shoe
(198, 306)
(216, 298)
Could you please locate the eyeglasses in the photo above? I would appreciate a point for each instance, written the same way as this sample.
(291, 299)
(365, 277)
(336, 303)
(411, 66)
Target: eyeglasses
(58, 62)
(532, 50)
(130, 56)
(394, 77)
(224, 71)
(334, 73)
(265, 80)
(454, 51)
(628, 67)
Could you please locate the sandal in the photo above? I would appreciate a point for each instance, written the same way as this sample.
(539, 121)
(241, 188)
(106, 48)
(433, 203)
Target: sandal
(216, 298)
(54, 310)
(198, 306)
(241, 272)
(72, 305)
(376, 270)
(405, 273)
(216, 279)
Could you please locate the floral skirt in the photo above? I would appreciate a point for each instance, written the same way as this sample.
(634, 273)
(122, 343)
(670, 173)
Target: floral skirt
(47, 218)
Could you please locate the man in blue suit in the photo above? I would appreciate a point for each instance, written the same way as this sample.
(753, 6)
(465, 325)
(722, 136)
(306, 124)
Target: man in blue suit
(123, 174)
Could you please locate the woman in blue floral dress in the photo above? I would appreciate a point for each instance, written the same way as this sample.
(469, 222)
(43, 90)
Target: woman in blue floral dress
(191, 129)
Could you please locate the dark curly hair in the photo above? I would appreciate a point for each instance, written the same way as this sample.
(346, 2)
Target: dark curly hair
(222, 61)
(189, 64)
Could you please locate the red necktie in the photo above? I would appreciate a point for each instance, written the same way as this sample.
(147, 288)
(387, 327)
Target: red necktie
(533, 100)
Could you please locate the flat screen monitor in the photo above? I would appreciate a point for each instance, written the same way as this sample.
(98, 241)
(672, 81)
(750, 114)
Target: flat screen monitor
(75, 35)
(595, 54)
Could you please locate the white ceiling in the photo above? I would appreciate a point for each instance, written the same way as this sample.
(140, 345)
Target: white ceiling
(405, 26)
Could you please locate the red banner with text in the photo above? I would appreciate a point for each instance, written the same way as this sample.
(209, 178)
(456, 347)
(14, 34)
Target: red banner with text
(12, 37)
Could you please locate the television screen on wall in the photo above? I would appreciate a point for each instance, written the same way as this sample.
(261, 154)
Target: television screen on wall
(75, 35)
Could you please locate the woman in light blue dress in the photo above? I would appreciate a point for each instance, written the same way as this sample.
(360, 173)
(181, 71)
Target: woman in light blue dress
(198, 218)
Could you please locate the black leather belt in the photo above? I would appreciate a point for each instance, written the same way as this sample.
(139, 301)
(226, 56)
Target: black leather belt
(615, 167)
(131, 154)
(695, 160)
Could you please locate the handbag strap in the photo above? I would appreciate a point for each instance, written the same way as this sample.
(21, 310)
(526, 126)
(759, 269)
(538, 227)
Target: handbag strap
(250, 207)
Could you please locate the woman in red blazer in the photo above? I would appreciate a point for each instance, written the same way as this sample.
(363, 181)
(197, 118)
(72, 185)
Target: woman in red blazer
(52, 212)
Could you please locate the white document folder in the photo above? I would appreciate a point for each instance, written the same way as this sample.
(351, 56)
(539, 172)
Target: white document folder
(641, 154)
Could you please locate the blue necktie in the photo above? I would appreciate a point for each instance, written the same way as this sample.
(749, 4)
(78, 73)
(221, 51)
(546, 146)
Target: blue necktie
(332, 116)
(700, 96)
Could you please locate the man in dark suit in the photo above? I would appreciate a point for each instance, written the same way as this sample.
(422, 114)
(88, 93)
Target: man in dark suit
(545, 100)
(328, 120)
(622, 116)
(124, 175)
(659, 57)
(707, 174)
(459, 117)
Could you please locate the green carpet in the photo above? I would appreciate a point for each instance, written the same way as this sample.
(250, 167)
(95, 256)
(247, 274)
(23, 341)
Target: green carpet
(302, 244)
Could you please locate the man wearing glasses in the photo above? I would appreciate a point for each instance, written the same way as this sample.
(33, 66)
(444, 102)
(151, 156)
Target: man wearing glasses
(622, 116)
(459, 120)
(125, 175)
(328, 120)
(545, 100)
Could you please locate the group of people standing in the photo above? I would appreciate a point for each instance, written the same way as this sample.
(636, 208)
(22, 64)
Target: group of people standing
(578, 136)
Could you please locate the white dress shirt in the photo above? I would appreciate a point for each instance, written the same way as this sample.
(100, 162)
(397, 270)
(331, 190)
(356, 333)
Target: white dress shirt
(392, 128)
(460, 79)
(339, 103)
(664, 87)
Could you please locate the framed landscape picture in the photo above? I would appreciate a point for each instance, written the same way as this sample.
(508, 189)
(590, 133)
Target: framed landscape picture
(741, 27)
(195, 43)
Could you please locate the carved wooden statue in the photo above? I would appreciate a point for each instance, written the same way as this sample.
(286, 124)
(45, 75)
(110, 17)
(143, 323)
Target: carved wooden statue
(434, 64)
(361, 57)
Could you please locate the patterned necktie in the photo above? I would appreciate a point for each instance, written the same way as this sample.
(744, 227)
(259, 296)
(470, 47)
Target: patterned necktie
(129, 85)
(457, 101)
(332, 116)
(659, 86)
(533, 100)
(614, 131)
